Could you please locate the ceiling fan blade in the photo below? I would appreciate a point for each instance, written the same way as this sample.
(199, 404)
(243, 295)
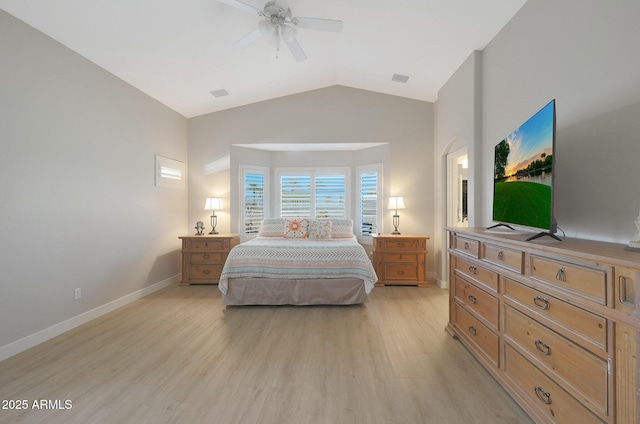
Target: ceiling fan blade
(296, 50)
(242, 6)
(284, 4)
(248, 39)
(317, 23)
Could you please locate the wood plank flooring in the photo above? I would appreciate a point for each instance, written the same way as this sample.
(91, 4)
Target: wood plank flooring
(180, 356)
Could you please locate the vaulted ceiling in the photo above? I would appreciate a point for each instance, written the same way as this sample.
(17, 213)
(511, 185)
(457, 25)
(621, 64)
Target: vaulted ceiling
(178, 52)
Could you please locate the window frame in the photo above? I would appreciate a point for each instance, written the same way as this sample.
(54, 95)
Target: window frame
(314, 172)
(243, 171)
(377, 168)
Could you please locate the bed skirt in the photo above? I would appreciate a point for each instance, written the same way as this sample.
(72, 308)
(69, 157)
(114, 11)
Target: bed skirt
(274, 291)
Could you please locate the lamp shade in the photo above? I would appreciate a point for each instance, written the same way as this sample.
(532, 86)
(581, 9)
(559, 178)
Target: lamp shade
(396, 202)
(213, 203)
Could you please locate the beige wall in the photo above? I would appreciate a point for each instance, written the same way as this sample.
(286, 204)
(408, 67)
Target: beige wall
(78, 204)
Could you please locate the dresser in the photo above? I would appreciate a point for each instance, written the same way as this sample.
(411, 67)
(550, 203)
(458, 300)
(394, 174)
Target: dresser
(204, 256)
(556, 323)
(400, 259)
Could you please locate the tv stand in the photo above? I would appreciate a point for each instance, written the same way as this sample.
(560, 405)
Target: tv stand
(542, 234)
(501, 225)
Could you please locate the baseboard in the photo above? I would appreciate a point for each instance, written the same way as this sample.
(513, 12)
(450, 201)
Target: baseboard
(442, 284)
(34, 339)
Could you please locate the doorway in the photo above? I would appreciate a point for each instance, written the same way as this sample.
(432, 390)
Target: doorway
(458, 188)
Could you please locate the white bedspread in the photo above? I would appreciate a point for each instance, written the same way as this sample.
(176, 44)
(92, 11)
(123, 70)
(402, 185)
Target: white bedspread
(297, 258)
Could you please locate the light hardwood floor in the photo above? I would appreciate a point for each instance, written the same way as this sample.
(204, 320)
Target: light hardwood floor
(180, 356)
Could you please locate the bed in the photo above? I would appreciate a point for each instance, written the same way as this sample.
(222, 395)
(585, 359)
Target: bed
(305, 266)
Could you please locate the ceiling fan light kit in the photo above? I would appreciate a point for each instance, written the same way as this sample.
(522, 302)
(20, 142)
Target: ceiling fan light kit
(279, 24)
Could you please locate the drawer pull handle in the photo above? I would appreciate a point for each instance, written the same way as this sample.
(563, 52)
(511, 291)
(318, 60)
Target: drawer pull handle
(206, 272)
(473, 270)
(466, 246)
(622, 289)
(473, 299)
(400, 244)
(543, 347)
(560, 275)
(206, 256)
(400, 272)
(541, 303)
(473, 330)
(545, 397)
(500, 255)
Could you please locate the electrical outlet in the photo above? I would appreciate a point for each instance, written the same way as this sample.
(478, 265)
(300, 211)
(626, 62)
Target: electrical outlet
(77, 294)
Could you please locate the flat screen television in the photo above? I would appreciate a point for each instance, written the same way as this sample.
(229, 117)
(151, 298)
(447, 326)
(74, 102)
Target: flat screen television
(523, 175)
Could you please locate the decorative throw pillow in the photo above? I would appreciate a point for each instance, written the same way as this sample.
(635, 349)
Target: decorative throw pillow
(296, 227)
(319, 229)
(341, 228)
(271, 227)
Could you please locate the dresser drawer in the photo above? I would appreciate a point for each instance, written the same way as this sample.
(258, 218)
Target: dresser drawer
(465, 245)
(400, 257)
(399, 271)
(208, 257)
(542, 393)
(485, 305)
(502, 256)
(207, 244)
(588, 282)
(590, 326)
(483, 276)
(206, 271)
(583, 370)
(478, 333)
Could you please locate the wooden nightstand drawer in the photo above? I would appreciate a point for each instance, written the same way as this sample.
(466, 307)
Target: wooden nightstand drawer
(208, 257)
(543, 393)
(590, 282)
(478, 333)
(508, 258)
(208, 244)
(405, 244)
(487, 278)
(206, 271)
(590, 326)
(402, 257)
(485, 305)
(583, 370)
(396, 271)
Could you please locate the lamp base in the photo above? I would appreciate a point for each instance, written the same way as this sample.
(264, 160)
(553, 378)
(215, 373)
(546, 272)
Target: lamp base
(213, 232)
(396, 232)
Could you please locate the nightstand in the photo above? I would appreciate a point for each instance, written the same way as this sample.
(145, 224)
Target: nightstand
(204, 256)
(400, 259)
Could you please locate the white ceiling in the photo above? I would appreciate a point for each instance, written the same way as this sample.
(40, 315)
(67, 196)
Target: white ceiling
(179, 51)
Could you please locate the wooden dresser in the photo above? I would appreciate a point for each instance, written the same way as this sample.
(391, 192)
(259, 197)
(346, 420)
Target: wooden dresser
(204, 256)
(556, 323)
(400, 259)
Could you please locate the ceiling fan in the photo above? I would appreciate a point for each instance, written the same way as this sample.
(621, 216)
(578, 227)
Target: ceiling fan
(280, 25)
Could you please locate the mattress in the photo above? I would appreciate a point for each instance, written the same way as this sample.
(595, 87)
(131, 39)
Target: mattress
(278, 259)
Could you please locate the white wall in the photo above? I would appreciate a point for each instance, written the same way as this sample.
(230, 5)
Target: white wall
(330, 115)
(458, 123)
(583, 54)
(78, 204)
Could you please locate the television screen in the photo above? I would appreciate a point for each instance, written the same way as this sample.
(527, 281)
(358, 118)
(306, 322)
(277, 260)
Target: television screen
(523, 173)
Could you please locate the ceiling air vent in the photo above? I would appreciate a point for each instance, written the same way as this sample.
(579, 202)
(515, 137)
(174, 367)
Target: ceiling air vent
(220, 93)
(400, 78)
